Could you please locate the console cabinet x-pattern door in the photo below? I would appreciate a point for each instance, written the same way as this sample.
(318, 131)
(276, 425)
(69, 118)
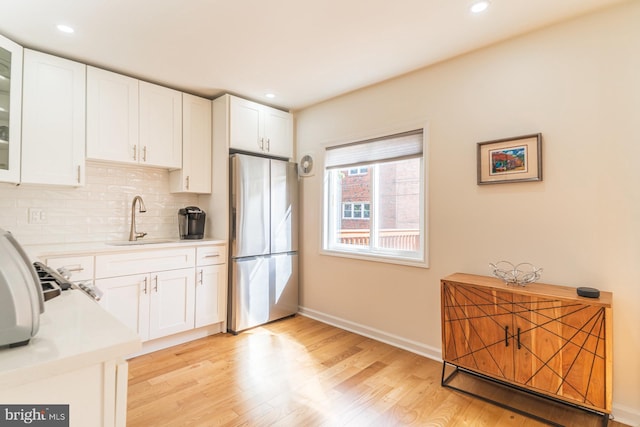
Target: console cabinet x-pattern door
(551, 345)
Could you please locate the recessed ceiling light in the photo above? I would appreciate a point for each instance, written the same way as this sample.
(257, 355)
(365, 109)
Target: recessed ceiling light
(479, 6)
(65, 28)
(270, 95)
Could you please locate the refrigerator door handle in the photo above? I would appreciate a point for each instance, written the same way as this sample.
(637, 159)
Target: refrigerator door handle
(233, 224)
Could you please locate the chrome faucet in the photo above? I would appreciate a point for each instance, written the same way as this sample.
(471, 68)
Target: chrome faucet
(133, 235)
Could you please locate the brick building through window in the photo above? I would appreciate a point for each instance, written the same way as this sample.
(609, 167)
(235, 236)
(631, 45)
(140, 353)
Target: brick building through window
(399, 196)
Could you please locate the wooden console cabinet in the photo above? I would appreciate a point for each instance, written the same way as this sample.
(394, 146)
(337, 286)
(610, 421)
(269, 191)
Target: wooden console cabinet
(542, 338)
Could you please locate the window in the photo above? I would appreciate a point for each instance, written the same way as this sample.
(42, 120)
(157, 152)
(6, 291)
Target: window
(374, 199)
(356, 210)
(358, 171)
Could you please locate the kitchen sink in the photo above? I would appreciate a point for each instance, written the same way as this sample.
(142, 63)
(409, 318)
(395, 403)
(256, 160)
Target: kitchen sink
(140, 242)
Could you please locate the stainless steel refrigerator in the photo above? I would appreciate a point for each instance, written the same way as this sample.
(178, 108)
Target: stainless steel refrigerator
(263, 280)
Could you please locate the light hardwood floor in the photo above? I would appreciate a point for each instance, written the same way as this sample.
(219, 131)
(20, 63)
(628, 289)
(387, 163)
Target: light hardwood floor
(300, 372)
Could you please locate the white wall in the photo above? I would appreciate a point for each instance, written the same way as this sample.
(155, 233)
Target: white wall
(578, 83)
(97, 212)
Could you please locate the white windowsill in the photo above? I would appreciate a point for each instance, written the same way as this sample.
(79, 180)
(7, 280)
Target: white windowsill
(377, 258)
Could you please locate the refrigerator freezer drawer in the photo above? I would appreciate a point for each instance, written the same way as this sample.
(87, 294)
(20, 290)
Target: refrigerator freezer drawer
(262, 289)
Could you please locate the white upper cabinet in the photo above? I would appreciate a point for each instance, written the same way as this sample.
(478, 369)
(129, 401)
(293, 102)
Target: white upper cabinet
(160, 126)
(195, 175)
(131, 121)
(260, 129)
(10, 109)
(245, 133)
(278, 129)
(53, 120)
(112, 116)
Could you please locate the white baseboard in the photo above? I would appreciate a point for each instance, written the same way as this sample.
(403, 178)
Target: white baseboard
(625, 415)
(376, 334)
(621, 413)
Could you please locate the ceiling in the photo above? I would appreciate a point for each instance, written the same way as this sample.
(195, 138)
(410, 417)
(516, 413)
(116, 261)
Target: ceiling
(303, 51)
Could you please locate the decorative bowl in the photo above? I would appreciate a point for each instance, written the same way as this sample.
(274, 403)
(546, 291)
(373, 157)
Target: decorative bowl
(520, 274)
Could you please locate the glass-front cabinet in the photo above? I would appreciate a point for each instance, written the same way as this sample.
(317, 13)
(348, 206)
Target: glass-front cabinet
(10, 107)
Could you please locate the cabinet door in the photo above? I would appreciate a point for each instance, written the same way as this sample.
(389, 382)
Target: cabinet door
(10, 110)
(53, 120)
(127, 299)
(477, 330)
(160, 126)
(211, 286)
(245, 131)
(112, 116)
(195, 175)
(560, 348)
(172, 302)
(278, 131)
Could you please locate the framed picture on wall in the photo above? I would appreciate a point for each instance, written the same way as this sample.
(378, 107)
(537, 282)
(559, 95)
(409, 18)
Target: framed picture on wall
(506, 160)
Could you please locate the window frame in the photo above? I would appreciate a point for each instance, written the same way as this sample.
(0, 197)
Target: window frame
(349, 251)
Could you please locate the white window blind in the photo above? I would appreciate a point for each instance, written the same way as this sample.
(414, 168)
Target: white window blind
(389, 148)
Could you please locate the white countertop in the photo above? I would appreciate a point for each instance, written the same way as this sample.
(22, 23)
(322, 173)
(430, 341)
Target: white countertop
(75, 332)
(82, 248)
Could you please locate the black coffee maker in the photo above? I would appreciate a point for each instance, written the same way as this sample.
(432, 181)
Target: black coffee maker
(191, 222)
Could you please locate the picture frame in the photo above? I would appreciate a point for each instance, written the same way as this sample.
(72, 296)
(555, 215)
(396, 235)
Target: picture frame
(517, 159)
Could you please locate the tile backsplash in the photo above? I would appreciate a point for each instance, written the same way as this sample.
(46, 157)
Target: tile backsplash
(100, 211)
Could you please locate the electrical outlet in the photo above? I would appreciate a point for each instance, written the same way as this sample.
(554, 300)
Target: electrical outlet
(37, 216)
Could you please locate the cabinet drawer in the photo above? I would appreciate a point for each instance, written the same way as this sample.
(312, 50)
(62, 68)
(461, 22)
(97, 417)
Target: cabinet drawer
(210, 255)
(122, 264)
(80, 267)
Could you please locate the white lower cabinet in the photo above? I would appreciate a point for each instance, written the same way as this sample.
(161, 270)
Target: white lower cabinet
(211, 285)
(127, 299)
(154, 305)
(172, 290)
(172, 302)
(210, 295)
(96, 394)
(76, 360)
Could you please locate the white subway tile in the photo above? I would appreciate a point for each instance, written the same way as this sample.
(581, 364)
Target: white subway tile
(99, 211)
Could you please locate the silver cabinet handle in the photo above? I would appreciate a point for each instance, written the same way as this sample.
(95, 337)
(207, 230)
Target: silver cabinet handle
(212, 256)
(76, 267)
(155, 288)
(201, 277)
(78, 174)
(135, 152)
(144, 153)
(187, 182)
(145, 285)
(268, 144)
